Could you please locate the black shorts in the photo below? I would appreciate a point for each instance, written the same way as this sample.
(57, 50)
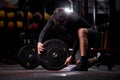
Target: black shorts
(93, 39)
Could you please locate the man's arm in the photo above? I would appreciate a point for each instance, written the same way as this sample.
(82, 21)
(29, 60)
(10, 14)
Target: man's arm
(43, 35)
(45, 30)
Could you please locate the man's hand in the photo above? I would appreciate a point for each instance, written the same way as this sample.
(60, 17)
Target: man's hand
(68, 61)
(40, 47)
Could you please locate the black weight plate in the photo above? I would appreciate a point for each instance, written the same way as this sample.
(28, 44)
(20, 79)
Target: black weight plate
(54, 55)
(27, 57)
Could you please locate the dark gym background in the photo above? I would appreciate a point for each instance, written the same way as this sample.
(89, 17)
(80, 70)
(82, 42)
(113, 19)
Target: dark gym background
(11, 40)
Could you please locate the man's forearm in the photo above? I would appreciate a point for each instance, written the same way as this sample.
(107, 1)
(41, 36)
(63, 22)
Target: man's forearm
(42, 35)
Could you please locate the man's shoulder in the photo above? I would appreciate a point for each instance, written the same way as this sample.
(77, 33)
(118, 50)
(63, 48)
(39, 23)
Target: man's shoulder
(74, 16)
(74, 13)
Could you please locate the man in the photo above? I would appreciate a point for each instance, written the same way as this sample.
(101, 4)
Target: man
(78, 28)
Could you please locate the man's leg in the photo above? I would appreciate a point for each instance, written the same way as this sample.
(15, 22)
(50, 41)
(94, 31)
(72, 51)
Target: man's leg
(83, 46)
(83, 41)
(91, 61)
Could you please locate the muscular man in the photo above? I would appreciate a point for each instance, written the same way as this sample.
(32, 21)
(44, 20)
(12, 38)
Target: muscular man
(78, 28)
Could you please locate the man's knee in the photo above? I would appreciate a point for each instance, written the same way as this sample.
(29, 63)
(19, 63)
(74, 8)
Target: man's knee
(82, 32)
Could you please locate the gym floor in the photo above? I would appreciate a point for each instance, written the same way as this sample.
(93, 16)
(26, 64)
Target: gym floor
(16, 72)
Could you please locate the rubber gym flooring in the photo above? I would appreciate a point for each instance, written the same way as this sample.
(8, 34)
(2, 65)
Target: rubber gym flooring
(16, 72)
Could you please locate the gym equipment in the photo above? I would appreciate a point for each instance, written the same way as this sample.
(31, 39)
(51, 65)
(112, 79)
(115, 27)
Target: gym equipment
(11, 24)
(105, 58)
(47, 16)
(10, 15)
(54, 55)
(2, 23)
(37, 16)
(19, 24)
(34, 26)
(30, 15)
(52, 58)
(21, 13)
(2, 14)
(27, 57)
